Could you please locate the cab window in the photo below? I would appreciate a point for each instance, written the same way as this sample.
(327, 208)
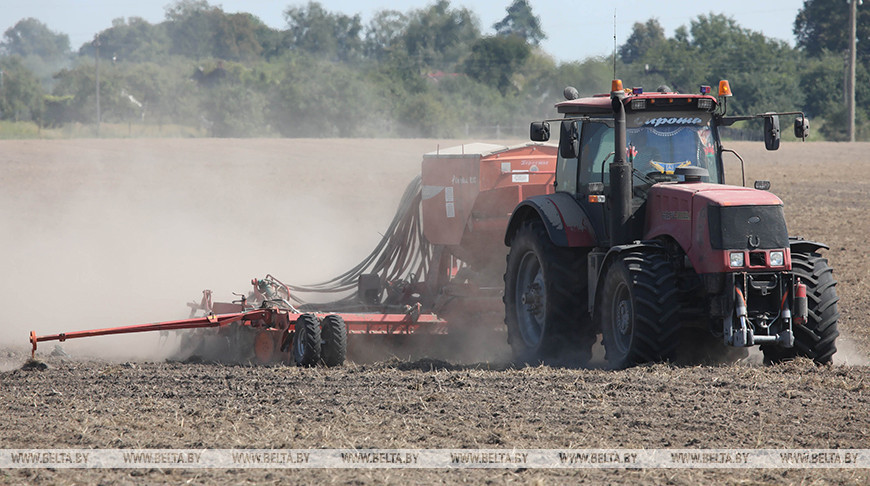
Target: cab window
(566, 172)
(596, 149)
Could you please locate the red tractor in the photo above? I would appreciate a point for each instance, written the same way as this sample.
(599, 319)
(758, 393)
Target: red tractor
(643, 242)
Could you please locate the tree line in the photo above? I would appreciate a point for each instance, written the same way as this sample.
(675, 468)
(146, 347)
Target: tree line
(427, 72)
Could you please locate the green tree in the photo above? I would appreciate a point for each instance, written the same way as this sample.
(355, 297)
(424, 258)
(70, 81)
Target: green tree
(474, 109)
(56, 110)
(315, 30)
(676, 63)
(30, 37)
(495, 60)
(237, 37)
(170, 96)
(439, 36)
(397, 80)
(199, 30)
(77, 86)
(131, 40)
(427, 116)
(546, 81)
(234, 110)
(117, 102)
(822, 32)
(322, 98)
(644, 36)
(715, 47)
(20, 92)
(522, 22)
(823, 25)
(383, 34)
(272, 41)
(158, 92)
(190, 25)
(821, 81)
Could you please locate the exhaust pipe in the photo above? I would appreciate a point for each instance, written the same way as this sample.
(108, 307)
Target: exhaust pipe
(620, 173)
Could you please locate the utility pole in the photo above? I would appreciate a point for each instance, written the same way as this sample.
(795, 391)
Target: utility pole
(853, 32)
(97, 61)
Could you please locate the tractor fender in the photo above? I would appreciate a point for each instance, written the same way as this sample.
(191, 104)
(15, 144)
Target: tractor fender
(800, 245)
(566, 222)
(600, 262)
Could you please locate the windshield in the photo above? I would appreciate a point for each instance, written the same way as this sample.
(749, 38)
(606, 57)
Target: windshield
(659, 144)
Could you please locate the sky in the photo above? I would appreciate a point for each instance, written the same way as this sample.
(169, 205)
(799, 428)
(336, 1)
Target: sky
(575, 29)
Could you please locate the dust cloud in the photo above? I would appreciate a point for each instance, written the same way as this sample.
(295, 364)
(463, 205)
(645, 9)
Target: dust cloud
(849, 354)
(104, 233)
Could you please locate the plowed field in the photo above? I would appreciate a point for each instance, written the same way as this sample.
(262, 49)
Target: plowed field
(98, 233)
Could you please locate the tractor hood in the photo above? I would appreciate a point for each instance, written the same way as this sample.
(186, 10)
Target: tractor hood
(716, 194)
(710, 220)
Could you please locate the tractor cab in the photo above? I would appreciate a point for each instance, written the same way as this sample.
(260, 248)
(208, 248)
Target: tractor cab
(664, 131)
(667, 135)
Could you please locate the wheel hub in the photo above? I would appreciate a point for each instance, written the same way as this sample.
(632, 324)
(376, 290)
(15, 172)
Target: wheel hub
(619, 337)
(532, 298)
(623, 317)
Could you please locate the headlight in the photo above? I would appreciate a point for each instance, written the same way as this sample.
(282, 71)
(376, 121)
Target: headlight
(737, 259)
(777, 258)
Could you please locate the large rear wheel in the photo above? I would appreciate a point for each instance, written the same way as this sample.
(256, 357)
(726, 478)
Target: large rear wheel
(816, 339)
(545, 299)
(639, 301)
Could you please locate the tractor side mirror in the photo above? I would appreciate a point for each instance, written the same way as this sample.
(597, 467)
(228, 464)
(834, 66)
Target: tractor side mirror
(801, 127)
(771, 132)
(539, 131)
(569, 139)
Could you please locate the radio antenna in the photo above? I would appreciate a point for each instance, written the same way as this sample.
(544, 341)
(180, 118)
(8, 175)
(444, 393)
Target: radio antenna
(614, 43)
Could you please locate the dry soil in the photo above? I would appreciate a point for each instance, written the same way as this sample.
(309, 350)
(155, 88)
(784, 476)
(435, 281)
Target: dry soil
(99, 233)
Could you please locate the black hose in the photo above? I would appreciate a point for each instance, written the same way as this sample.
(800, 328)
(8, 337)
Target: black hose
(402, 254)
